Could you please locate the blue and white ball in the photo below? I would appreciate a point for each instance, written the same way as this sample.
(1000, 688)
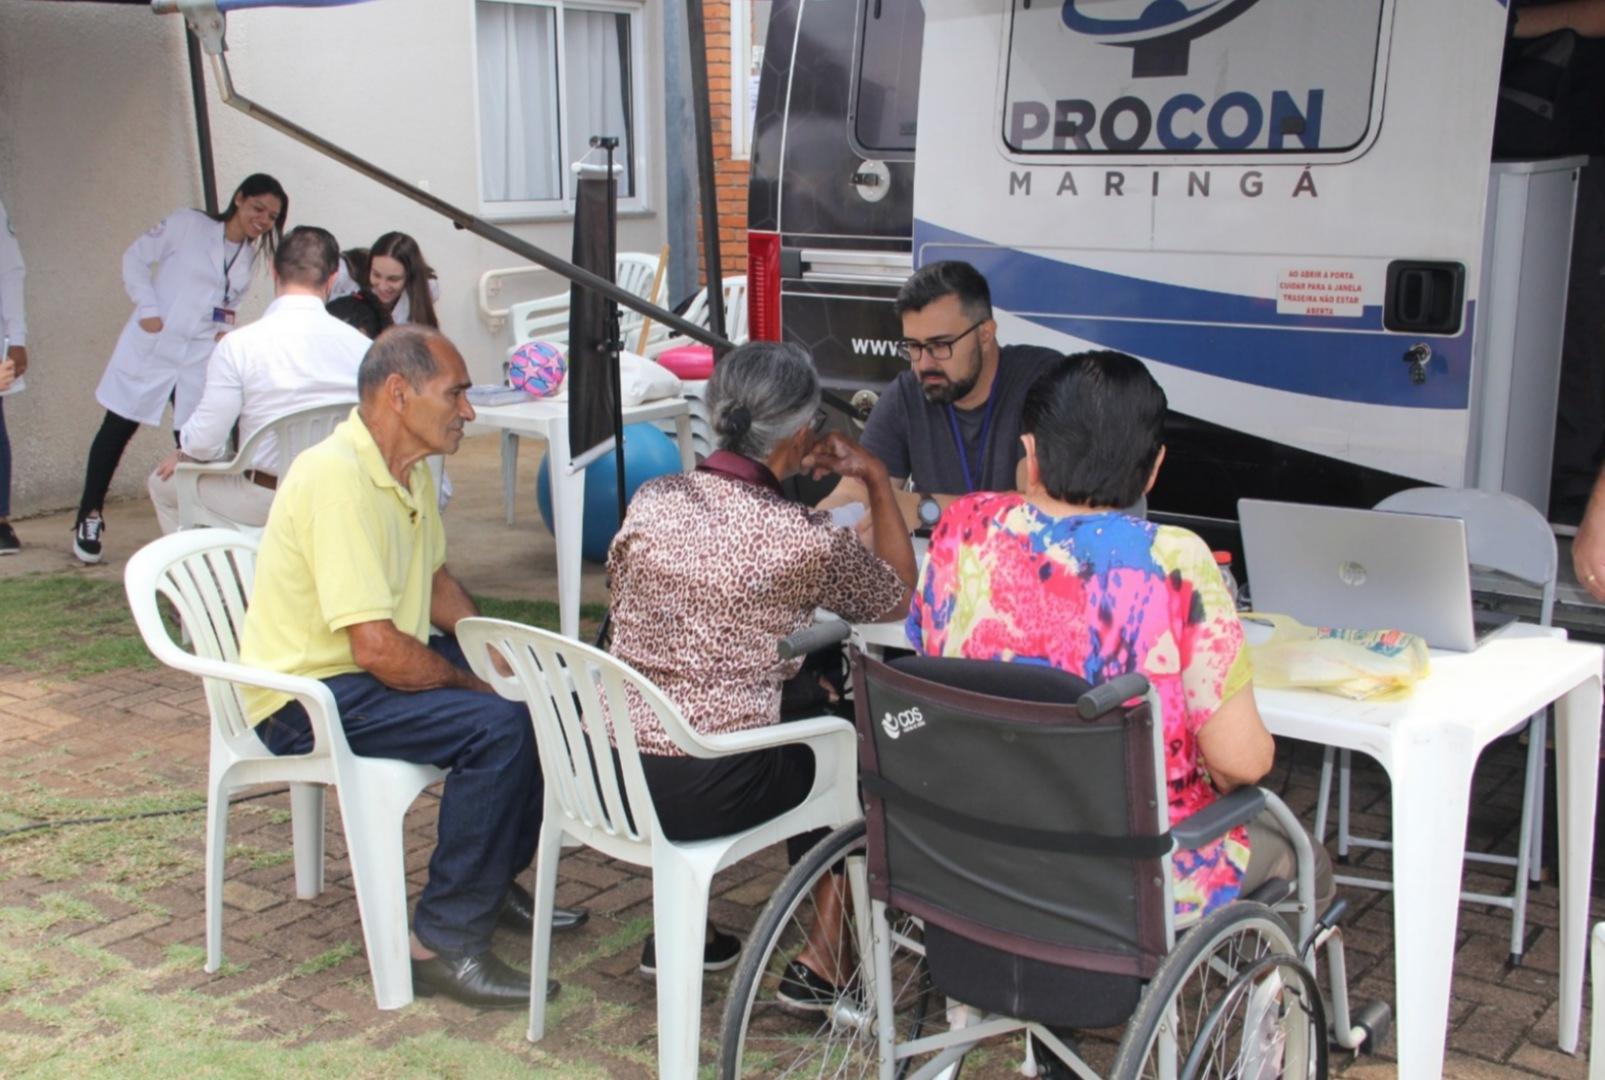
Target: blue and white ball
(537, 368)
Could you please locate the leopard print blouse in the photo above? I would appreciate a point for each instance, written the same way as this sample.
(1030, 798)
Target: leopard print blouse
(709, 572)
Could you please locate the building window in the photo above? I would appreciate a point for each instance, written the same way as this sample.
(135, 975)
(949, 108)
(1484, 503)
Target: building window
(749, 28)
(553, 73)
(889, 76)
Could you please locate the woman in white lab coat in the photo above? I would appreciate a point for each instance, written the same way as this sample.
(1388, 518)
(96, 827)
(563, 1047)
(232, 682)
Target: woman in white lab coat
(395, 276)
(186, 277)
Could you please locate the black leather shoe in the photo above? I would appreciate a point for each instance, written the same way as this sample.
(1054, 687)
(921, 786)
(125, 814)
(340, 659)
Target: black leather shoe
(483, 981)
(518, 912)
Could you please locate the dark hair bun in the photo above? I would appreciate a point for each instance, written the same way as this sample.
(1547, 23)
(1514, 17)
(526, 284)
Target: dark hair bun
(735, 422)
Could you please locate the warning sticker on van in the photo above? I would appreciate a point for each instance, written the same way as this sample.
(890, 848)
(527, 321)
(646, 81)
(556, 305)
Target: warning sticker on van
(1190, 76)
(1315, 290)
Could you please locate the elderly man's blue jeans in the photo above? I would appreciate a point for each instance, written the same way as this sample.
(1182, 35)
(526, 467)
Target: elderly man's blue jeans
(490, 810)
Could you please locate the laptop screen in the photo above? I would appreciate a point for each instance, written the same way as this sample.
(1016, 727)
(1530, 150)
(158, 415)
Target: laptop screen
(1360, 569)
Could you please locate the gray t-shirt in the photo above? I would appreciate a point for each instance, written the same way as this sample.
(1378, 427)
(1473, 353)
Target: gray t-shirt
(915, 438)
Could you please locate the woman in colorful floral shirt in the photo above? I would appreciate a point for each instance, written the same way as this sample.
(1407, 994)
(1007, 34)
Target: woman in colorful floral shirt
(1057, 575)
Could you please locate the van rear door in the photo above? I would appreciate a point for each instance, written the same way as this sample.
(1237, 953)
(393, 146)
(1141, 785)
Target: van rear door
(1277, 206)
(831, 197)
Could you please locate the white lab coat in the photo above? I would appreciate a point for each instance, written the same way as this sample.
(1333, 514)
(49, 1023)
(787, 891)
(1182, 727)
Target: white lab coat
(175, 272)
(13, 322)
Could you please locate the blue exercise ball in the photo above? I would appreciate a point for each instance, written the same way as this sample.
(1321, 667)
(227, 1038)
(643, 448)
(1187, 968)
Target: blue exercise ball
(648, 452)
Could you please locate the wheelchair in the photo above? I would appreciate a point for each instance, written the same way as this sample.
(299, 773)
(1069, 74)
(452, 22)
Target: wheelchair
(1012, 873)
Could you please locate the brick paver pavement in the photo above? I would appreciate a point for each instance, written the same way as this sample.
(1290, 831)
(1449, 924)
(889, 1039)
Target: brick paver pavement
(297, 976)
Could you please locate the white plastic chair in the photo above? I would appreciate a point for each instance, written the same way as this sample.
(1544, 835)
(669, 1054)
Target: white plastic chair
(572, 690)
(207, 575)
(290, 434)
(546, 319)
(1506, 535)
(735, 317)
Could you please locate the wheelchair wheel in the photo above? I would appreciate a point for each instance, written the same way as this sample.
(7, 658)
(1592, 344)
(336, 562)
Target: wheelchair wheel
(1231, 1000)
(765, 1034)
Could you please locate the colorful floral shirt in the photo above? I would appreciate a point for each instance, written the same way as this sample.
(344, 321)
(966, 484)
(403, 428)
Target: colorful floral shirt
(1098, 595)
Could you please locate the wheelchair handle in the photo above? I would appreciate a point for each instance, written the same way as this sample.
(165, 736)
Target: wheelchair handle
(812, 638)
(1101, 699)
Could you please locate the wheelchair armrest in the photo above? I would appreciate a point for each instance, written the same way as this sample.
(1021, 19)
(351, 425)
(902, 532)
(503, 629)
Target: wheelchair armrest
(1108, 697)
(1218, 818)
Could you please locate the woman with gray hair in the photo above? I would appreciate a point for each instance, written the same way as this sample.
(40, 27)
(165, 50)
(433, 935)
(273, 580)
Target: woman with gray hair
(712, 567)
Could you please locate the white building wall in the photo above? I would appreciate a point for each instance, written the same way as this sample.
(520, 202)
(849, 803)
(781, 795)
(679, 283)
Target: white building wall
(97, 143)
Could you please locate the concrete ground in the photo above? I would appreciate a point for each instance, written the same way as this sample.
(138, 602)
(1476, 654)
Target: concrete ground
(101, 927)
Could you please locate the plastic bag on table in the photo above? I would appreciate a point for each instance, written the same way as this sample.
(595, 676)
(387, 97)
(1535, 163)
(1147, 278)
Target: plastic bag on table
(1351, 663)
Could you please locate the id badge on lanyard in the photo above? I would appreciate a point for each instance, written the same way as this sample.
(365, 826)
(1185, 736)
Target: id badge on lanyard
(225, 315)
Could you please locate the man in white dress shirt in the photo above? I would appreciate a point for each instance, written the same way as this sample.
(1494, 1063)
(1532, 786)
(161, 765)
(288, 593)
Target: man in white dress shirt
(296, 356)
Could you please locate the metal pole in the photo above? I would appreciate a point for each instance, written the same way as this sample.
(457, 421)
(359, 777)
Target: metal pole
(705, 176)
(203, 121)
(461, 218)
(614, 346)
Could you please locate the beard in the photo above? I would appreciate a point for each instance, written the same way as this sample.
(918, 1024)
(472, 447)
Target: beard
(945, 391)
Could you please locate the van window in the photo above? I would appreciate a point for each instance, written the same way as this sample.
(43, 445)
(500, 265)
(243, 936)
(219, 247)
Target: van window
(889, 74)
(1193, 77)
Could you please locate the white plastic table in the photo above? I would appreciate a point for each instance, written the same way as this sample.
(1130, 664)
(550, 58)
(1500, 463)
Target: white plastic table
(549, 420)
(1429, 743)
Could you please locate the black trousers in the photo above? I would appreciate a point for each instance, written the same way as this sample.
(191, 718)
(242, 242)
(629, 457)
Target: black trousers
(700, 798)
(105, 454)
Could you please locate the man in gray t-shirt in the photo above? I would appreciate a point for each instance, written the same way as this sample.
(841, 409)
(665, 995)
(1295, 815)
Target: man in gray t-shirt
(951, 423)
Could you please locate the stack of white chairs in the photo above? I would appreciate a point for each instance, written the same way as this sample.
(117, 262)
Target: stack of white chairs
(546, 319)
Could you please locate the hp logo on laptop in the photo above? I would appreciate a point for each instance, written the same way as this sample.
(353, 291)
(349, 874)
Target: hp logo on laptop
(1352, 573)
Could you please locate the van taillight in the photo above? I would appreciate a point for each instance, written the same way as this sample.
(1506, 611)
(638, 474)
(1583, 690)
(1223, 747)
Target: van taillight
(763, 286)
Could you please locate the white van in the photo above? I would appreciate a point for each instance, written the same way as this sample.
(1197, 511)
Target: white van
(1278, 206)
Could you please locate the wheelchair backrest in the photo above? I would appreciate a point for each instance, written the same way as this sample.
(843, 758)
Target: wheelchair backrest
(996, 813)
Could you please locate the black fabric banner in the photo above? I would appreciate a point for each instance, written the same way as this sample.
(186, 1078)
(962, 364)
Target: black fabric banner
(593, 375)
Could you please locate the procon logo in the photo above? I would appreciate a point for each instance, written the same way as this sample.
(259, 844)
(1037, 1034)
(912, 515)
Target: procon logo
(1159, 38)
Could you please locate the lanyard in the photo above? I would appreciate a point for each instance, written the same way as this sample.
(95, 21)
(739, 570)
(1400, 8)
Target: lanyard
(958, 441)
(229, 265)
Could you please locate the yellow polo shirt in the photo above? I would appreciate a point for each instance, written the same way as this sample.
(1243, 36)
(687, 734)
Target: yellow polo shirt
(344, 544)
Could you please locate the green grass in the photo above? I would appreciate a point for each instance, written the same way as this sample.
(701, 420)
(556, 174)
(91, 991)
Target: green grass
(329, 958)
(68, 625)
(541, 613)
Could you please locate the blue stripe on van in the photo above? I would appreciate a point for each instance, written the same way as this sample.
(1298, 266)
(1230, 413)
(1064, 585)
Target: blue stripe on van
(1343, 359)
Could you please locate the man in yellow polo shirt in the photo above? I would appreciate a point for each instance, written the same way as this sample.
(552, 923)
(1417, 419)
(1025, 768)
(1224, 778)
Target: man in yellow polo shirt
(350, 575)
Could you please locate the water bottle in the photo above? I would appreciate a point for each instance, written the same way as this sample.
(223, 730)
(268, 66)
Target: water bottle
(1223, 559)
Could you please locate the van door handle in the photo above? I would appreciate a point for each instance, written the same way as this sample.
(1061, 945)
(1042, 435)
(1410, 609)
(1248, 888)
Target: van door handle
(1418, 356)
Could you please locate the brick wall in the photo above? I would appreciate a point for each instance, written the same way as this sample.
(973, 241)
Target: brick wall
(730, 174)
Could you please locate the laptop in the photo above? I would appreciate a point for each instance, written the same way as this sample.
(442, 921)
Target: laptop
(1364, 570)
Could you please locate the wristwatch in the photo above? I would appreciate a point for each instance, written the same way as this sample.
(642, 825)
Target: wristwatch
(929, 512)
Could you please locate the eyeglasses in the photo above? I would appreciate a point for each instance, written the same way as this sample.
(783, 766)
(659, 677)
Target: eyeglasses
(936, 348)
(820, 419)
